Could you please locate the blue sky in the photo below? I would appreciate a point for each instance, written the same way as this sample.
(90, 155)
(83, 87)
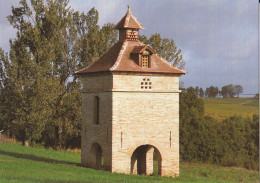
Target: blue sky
(218, 38)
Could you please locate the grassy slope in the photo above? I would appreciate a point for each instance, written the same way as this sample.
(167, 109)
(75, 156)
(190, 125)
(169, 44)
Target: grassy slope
(20, 164)
(225, 107)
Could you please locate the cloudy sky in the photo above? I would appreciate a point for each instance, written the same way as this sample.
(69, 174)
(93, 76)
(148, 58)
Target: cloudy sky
(218, 38)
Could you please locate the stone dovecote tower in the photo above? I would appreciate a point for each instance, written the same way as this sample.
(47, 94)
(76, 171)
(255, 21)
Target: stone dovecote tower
(130, 101)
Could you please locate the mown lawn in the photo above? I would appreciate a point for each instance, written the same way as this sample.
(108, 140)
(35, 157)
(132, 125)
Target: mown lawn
(27, 164)
(221, 108)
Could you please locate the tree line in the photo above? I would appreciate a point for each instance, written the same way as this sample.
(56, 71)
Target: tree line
(232, 142)
(213, 91)
(40, 98)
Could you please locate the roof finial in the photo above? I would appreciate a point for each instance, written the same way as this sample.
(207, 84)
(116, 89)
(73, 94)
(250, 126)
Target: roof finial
(128, 11)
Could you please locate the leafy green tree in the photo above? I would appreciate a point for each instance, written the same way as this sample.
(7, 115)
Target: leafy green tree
(252, 143)
(191, 90)
(191, 111)
(201, 92)
(239, 144)
(212, 91)
(228, 91)
(166, 48)
(197, 90)
(238, 89)
(40, 98)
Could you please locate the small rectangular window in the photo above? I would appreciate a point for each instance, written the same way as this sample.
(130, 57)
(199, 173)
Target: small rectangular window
(96, 108)
(145, 61)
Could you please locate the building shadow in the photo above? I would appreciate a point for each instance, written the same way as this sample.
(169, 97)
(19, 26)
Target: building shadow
(26, 179)
(37, 158)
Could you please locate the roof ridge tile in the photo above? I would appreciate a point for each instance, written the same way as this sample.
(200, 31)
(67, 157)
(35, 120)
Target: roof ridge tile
(119, 56)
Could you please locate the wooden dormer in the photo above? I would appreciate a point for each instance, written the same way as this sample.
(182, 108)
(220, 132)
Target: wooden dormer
(142, 55)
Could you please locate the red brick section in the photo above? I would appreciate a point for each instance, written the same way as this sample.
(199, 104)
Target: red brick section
(118, 58)
(129, 21)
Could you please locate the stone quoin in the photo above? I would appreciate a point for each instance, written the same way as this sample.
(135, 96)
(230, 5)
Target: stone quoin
(130, 108)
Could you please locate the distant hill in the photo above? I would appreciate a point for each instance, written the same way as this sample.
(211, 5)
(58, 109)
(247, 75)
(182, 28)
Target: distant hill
(221, 108)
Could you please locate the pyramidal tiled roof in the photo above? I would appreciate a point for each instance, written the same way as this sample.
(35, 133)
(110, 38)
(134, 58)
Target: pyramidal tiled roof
(118, 58)
(129, 21)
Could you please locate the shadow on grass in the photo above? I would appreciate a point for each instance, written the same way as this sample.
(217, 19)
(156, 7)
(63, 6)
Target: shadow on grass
(37, 158)
(27, 179)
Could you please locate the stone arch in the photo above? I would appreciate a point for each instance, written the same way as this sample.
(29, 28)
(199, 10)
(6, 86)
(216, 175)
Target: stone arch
(135, 145)
(96, 156)
(146, 159)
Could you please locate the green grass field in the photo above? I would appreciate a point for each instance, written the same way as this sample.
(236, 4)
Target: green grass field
(26, 164)
(221, 108)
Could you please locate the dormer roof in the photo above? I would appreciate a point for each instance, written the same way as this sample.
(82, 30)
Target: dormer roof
(129, 21)
(140, 49)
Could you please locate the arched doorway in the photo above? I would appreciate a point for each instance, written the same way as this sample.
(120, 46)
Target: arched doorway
(146, 159)
(96, 156)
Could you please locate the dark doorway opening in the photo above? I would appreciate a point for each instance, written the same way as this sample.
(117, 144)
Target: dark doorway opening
(97, 156)
(146, 159)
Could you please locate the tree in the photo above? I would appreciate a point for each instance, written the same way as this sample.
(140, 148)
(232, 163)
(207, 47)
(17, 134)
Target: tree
(189, 101)
(166, 48)
(40, 98)
(191, 111)
(228, 91)
(212, 91)
(238, 89)
(201, 92)
(197, 90)
(191, 90)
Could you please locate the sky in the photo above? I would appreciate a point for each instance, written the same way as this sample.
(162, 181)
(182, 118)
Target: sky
(218, 38)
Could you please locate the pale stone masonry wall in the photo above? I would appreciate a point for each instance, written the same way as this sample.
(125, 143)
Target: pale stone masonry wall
(131, 116)
(96, 133)
(145, 118)
(160, 83)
